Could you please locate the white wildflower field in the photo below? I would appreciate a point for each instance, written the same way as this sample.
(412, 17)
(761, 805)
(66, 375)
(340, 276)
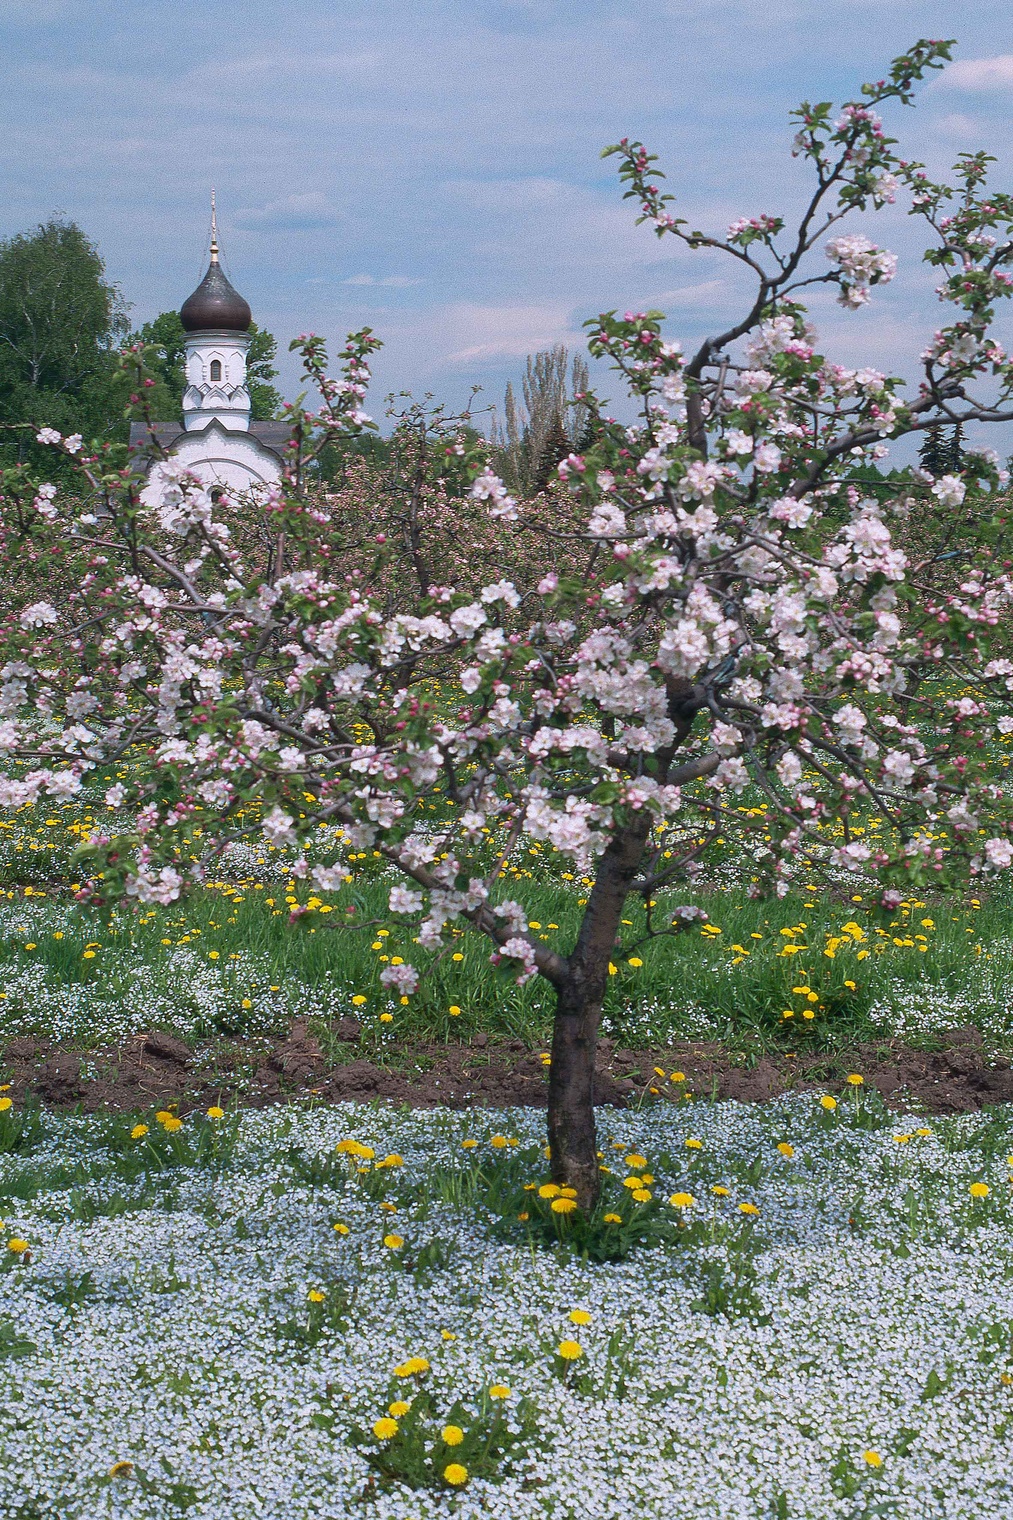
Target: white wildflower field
(309, 1312)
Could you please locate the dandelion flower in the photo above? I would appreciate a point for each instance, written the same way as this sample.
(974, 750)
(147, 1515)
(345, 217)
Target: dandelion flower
(642, 1195)
(315, 1296)
(358, 1000)
(579, 1317)
(341, 1229)
(979, 1190)
(138, 1131)
(563, 1205)
(398, 1409)
(452, 1435)
(499, 1391)
(722, 1192)
(786, 1149)
(499, 1142)
(872, 1459)
(694, 1145)
(854, 1080)
(447, 1335)
(682, 1200)
(748, 1208)
(5, 1104)
(455, 1474)
(216, 1113)
(121, 1469)
(393, 1242)
(454, 1011)
(549, 1190)
(468, 1145)
(612, 1218)
(385, 1429)
(570, 1351)
(172, 1124)
(17, 1247)
(828, 1103)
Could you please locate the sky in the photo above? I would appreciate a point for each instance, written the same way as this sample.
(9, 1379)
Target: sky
(431, 168)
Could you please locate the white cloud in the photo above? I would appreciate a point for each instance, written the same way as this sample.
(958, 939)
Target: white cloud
(469, 333)
(980, 73)
(708, 293)
(292, 213)
(392, 281)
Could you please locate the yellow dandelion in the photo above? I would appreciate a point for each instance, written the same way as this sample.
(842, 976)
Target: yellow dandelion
(579, 1317)
(393, 1242)
(979, 1190)
(385, 1429)
(455, 1474)
(563, 1205)
(570, 1351)
(872, 1458)
(452, 1435)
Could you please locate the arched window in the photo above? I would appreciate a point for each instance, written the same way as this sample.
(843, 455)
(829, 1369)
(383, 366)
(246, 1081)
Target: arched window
(216, 369)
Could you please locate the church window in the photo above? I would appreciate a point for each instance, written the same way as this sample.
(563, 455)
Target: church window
(216, 369)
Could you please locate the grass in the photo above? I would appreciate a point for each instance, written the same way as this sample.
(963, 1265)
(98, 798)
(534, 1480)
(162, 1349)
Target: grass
(243, 956)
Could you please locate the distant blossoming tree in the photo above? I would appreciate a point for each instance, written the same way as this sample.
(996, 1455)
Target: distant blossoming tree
(746, 630)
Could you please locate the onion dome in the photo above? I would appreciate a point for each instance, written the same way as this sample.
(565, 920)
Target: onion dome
(215, 304)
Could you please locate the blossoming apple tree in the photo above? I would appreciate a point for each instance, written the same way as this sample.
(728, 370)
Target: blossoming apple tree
(746, 654)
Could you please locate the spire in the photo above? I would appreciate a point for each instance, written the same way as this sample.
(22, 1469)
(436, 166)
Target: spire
(214, 228)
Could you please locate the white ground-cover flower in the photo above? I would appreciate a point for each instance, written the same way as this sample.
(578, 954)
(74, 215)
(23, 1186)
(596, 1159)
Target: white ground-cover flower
(182, 1326)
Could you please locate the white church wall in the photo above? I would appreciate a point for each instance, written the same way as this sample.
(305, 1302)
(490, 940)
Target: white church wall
(234, 461)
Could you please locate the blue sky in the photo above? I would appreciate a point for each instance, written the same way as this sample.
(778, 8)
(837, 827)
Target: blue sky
(432, 169)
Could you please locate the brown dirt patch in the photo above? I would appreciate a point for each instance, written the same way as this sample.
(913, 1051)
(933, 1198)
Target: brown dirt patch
(157, 1069)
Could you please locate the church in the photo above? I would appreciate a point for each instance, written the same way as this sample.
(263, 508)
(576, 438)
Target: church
(215, 437)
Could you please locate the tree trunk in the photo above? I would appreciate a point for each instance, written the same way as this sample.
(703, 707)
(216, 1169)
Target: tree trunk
(572, 1140)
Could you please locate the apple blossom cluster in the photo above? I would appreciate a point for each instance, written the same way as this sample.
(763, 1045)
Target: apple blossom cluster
(861, 264)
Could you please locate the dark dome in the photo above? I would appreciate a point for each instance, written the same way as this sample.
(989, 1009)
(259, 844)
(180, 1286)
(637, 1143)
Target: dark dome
(215, 304)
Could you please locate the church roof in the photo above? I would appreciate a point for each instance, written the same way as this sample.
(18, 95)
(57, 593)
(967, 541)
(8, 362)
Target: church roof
(215, 305)
(271, 435)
